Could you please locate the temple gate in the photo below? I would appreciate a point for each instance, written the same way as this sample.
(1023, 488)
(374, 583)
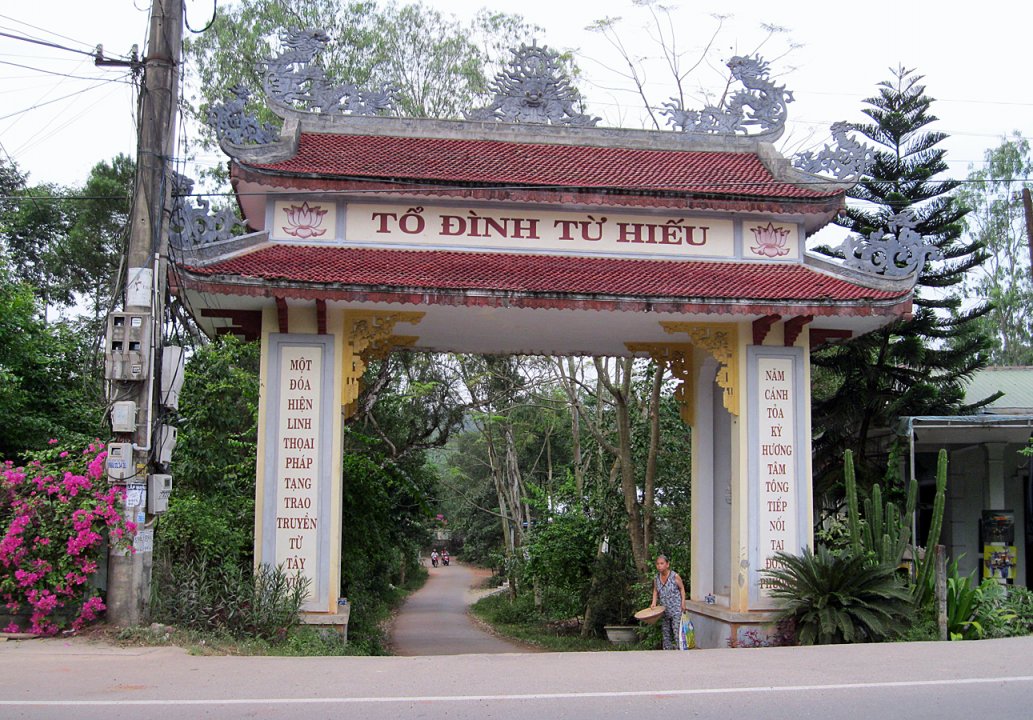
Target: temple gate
(525, 229)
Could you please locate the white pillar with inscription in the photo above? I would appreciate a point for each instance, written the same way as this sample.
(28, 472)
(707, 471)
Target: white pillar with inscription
(297, 463)
(779, 455)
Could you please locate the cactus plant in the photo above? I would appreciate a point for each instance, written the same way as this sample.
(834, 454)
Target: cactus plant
(886, 532)
(935, 525)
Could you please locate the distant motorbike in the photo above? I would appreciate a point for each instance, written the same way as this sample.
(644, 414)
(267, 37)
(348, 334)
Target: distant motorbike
(444, 559)
(434, 560)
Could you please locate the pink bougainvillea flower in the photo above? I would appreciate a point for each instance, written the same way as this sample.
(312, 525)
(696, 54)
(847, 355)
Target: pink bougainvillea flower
(52, 441)
(54, 521)
(303, 221)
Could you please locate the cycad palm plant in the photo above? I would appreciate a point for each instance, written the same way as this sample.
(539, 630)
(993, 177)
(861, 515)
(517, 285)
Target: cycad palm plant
(838, 598)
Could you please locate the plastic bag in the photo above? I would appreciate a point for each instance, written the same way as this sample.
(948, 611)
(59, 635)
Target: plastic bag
(686, 633)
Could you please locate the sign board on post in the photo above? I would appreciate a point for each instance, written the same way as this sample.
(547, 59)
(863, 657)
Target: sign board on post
(778, 450)
(297, 447)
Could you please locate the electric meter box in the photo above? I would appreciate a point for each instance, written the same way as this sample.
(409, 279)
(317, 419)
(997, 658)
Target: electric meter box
(127, 351)
(159, 488)
(119, 462)
(172, 365)
(167, 438)
(123, 416)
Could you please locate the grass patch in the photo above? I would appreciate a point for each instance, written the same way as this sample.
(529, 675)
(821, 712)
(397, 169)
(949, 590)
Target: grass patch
(298, 641)
(518, 620)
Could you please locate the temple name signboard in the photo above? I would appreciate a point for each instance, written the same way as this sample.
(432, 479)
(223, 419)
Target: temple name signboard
(529, 230)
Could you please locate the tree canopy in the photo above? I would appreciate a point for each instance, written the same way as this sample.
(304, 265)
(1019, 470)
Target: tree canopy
(996, 220)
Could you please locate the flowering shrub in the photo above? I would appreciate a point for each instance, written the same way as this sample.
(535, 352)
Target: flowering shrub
(54, 514)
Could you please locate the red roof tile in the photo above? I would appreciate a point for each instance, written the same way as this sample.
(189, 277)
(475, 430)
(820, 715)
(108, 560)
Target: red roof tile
(508, 163)
(501, 273)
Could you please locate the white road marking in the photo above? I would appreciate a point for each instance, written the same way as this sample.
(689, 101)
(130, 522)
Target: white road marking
(529, 696)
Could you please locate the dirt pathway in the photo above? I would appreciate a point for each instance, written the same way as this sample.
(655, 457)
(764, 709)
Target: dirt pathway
(433, 621)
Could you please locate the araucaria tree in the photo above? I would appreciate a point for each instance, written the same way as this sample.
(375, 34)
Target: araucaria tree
(917, 365)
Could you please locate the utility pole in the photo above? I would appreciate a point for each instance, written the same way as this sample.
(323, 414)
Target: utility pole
(1027, 204)
(133, 350)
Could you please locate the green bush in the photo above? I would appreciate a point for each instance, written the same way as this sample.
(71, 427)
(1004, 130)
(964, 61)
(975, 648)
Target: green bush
(1020, 602)
(224, 598)
(838, 598)
(561, 555)
(502, 609)
(999, 610)
(195, 527)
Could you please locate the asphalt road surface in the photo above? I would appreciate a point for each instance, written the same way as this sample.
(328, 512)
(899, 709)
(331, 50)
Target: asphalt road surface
(434, 621)
(917, 681)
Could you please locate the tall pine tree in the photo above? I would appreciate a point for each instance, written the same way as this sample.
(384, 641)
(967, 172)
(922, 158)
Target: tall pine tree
(917, 365)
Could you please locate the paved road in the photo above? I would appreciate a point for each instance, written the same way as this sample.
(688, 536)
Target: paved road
(433, 621)
(917, 681)
(934, 681)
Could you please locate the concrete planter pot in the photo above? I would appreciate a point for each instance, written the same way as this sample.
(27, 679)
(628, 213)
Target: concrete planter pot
(621, 634)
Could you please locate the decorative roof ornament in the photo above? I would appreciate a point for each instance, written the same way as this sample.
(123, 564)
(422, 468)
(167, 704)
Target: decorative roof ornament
(193, 226)
(762, 104)
(846, 160)
(533, 89)
(896, 254)
(292, 81)
(234, 124)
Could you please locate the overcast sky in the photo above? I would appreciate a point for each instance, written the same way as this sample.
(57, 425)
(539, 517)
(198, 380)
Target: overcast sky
(974, 61)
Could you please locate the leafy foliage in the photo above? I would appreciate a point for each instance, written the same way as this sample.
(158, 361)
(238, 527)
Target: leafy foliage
(996, 220)
(45, 388)
(838, 598)
(440, 66)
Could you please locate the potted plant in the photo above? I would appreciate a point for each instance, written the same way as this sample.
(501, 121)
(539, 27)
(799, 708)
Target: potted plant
(621, 634)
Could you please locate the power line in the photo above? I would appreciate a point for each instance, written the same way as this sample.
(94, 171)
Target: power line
(49, 32)
(44, 43)
(63, 97)
(52, 72)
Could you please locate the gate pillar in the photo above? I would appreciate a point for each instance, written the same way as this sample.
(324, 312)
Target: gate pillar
(312, 363)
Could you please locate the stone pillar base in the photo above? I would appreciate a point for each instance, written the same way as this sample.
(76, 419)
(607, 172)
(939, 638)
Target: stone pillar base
(338, 621)
(718, 627)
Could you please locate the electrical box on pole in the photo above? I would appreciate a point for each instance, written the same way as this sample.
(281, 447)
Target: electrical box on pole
(172, 367)
(119, 462)
(127, 350)
(123, 416)
(159, 488)
(167, 439)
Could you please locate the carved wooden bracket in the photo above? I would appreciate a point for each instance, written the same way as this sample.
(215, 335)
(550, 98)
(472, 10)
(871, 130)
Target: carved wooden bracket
(793, 328)
(281, 314)
(722, 341)
(677, 358)
(368, 334)
(321, 317)
(762, 326)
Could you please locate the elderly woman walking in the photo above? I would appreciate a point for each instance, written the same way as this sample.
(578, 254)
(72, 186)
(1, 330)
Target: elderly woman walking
(669, 589)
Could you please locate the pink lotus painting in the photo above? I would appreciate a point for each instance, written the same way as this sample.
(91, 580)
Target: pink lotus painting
(770, 240)
(304, 221)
